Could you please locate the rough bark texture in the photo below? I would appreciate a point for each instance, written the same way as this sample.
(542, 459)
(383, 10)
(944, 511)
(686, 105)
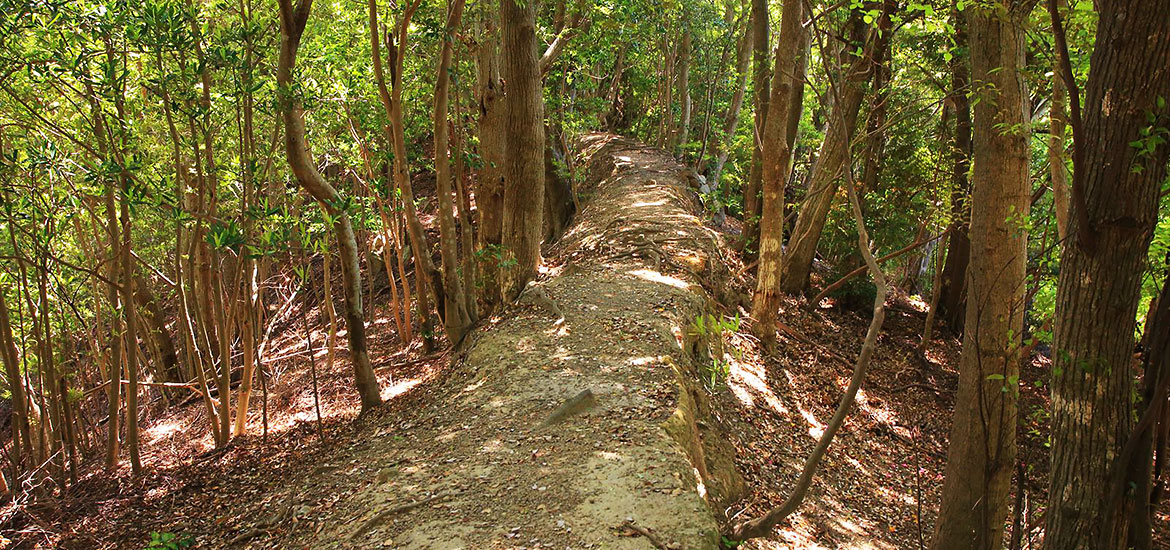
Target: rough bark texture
(777, 162)
(489, 196)
(523, 145)
(292, 25)
(835, 153)
(1098, 293)
(982, 449)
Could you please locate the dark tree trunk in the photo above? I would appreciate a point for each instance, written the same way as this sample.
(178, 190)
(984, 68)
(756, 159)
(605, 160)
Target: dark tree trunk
(952, 297)
(1100, 277)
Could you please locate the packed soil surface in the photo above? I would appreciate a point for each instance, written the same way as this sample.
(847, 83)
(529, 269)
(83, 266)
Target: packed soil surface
(596, 411)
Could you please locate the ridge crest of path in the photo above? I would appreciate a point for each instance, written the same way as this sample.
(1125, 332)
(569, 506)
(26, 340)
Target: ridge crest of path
(580, 408)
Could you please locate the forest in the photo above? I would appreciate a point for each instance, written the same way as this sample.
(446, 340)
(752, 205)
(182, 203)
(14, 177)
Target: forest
(585, 274)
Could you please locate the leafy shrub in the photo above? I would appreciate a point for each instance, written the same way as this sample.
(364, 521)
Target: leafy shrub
(169, 541)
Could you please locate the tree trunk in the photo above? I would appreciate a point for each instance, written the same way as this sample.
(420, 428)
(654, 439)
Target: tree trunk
(982, 452)
(292, 26)
(1140, 473)
(683, 88)
(20, 435)
(835, 152)
(777, 160)
(392, 103)
(1099, 286)
(489, 196)
(1057, 169)
(457, 320)
(761, 81)
(953, 294)
(722, 145)
(157, 327)
(523, 146)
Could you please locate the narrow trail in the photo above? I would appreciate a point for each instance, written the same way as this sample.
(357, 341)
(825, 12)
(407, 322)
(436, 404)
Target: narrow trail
(500, 455)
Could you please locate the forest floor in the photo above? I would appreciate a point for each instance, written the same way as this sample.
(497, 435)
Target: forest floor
(460, 456)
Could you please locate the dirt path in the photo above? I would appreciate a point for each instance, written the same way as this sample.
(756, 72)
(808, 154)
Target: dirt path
(500, 455)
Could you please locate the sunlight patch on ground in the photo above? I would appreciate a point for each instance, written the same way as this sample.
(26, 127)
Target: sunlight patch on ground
(656, 277)
(815, 428)
(746, 379)
(164, 430)
(399, 388)
(659, 202)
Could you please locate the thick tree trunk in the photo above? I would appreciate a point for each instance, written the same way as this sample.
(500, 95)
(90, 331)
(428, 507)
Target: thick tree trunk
(835, 153)
(1099, 289)
(952, 298)
(489, 196)
(292, 26)
(777, 161)
(982, 450)
(523, 146)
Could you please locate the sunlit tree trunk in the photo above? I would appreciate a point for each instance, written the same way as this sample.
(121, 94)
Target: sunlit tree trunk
(982, 451)
(777, 161)
(523, 145)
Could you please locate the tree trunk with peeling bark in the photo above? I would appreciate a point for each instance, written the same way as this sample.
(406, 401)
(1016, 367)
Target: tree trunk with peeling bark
(777, 162)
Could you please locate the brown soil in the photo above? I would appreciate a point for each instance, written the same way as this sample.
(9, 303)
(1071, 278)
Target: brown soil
(460, 456)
